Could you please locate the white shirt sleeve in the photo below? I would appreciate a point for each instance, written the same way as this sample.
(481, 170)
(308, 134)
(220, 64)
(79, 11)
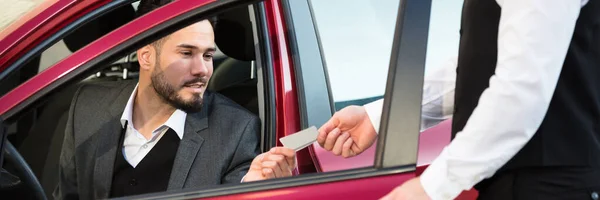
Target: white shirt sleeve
(438, 97)
(438, 94)
(533, 39)
(374, 110)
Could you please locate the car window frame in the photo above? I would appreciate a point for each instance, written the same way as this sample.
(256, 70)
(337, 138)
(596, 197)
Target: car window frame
(309, 76)
(308, 64)
(38, 49)
(312, 68)
(396, 106)
(405, 76)
(264, 63)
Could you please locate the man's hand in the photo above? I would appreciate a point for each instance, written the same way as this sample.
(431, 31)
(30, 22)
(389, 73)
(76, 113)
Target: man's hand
(348, 133)
(411, 189)
(278, 162)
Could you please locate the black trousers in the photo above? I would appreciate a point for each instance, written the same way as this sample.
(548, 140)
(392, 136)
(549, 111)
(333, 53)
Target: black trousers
(543, 183)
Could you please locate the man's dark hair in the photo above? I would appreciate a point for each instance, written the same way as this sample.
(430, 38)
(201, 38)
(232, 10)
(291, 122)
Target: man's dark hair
(147, 6)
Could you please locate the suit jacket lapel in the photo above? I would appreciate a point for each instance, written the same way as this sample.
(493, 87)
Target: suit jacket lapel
(108, 142)
(105, 160)
(190, 144)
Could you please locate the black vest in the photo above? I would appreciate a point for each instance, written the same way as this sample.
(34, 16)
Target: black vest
(570, 132)
(151, 174)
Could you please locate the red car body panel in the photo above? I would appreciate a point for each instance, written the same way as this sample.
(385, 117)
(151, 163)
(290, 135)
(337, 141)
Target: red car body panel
(20, 20)
(366, 188)
(61, 13)
(286, 98)
(40, 27)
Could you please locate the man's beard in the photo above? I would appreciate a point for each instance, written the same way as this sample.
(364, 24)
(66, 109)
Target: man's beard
(168, 92)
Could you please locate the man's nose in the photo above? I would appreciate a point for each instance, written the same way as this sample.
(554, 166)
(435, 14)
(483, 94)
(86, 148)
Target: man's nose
(200, 67)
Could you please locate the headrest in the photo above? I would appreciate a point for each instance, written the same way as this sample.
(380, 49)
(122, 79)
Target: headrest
(99, 27)
(233, 34)
(229, 73)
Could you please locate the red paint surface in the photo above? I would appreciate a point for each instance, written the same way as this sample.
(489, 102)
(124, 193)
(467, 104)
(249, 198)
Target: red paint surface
(42, 26)
(95, 49)
(286, 99)
(432, 141)
(366, 188)
(329, 162)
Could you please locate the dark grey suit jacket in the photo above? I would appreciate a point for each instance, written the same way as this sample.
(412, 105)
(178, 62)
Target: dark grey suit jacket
(218, 144)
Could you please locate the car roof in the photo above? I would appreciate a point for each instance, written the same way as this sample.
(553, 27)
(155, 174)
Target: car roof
(19, 11)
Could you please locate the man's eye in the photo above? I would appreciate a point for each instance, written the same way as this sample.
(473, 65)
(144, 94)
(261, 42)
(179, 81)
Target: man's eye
(186, 53)
(208, 56)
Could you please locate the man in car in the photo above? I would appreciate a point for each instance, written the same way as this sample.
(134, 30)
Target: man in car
(164, 132)
(525, 124)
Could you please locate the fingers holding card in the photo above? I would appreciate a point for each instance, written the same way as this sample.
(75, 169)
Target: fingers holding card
(277, 163)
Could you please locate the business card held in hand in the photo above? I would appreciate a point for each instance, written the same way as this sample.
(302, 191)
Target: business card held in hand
(301, 139)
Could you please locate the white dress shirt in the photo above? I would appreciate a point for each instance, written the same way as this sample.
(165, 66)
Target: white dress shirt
(533, 39)
(135, 145)
(438, 97)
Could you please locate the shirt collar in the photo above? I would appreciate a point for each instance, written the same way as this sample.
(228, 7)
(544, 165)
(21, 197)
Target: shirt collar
(176, 121)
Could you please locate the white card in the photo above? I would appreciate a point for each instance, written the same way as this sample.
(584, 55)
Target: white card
(301, 139)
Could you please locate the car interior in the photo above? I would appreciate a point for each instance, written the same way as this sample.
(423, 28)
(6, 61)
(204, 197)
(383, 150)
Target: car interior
(38, 134)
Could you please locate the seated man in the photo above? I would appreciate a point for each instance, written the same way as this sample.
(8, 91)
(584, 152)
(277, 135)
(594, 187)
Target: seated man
(165, 132)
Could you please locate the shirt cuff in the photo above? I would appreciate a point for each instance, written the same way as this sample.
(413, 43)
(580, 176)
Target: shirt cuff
(438, 183)
(374, 110)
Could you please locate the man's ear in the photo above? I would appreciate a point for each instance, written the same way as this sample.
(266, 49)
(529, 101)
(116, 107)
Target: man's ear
(144, 55)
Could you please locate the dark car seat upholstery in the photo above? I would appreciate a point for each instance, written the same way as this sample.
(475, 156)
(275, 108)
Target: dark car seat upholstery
(233, 34)
(234, 77)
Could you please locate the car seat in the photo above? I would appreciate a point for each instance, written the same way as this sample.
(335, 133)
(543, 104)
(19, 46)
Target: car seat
(235, 77)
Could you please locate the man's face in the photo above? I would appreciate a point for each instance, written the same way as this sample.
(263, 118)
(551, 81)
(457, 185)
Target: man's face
(183, 66)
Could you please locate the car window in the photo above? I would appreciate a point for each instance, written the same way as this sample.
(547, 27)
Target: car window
(80, 37)
(356, 44)
(439, 78)
(356, 41)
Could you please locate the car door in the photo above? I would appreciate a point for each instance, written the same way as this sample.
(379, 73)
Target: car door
(313, 84)
(355, 45)
(280, 65)
(345, 55)
(397, 145)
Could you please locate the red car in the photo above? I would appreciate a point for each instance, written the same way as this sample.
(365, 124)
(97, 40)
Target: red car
(273, 61)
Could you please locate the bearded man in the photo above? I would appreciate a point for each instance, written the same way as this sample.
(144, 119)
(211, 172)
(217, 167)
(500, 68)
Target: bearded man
(165, 131)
